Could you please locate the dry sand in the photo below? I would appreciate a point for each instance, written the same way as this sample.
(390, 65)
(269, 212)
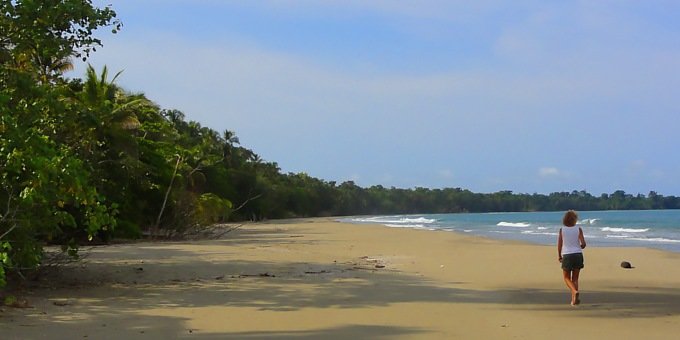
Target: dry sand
(320, 279)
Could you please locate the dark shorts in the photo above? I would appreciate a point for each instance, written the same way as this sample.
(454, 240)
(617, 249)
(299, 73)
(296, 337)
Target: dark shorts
(572, 261)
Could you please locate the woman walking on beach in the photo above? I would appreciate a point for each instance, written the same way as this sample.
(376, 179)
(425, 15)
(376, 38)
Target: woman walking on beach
(570, 244)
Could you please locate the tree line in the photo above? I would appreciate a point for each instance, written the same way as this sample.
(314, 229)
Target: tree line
(84, 159)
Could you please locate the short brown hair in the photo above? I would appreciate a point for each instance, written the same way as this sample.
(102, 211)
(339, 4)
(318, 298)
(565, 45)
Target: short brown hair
(570, 218)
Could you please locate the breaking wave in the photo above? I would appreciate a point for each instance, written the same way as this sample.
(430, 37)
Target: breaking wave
(514, 225)
(395, 220)
(624, 230)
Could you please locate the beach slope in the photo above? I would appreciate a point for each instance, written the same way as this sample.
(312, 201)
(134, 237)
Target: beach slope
(320, 279)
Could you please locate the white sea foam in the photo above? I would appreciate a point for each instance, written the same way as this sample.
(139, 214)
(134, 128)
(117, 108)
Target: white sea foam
(617, 236)
(394, 220)
(624, 230)
(531, 232)
(514, 225)
(404, 225)
(542, 229)
(412, 226)
(657, 239)
(420, 220)
(364, 219)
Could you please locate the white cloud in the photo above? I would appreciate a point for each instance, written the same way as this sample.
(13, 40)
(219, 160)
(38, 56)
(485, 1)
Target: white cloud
(530, 76)
(445, 174)
(548, 172)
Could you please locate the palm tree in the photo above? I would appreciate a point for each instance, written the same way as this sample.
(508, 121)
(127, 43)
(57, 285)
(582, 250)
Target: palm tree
(230, 140)
(110, 108)
(110, 116)
(51, 69)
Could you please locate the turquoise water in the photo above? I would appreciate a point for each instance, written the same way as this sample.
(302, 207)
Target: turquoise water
(639, 228)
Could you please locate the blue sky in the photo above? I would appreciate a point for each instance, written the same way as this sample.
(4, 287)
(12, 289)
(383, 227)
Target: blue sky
(528, 96)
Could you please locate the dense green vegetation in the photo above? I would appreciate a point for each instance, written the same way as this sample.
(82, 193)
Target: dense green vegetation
(83, 159)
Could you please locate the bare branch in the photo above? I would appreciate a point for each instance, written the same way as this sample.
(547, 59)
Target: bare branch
(230, 230)
(167, 193)
(3, 217)
(6, 216)
(8, 231)
(246, 202)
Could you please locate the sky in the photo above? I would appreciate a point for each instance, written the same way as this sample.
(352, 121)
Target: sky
(526, 96)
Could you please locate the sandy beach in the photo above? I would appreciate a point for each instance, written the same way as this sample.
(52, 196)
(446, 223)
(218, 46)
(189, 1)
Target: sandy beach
(320, 279)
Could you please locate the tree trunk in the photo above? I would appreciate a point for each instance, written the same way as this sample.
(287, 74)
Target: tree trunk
(154, 232)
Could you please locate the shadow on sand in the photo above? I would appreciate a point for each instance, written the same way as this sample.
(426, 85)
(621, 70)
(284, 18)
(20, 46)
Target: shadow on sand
(185, 280)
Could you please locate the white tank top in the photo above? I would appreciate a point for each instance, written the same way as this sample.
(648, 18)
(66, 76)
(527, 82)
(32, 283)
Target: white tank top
(570, 243)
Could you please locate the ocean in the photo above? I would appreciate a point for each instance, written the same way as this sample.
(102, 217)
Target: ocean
(637, 228)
